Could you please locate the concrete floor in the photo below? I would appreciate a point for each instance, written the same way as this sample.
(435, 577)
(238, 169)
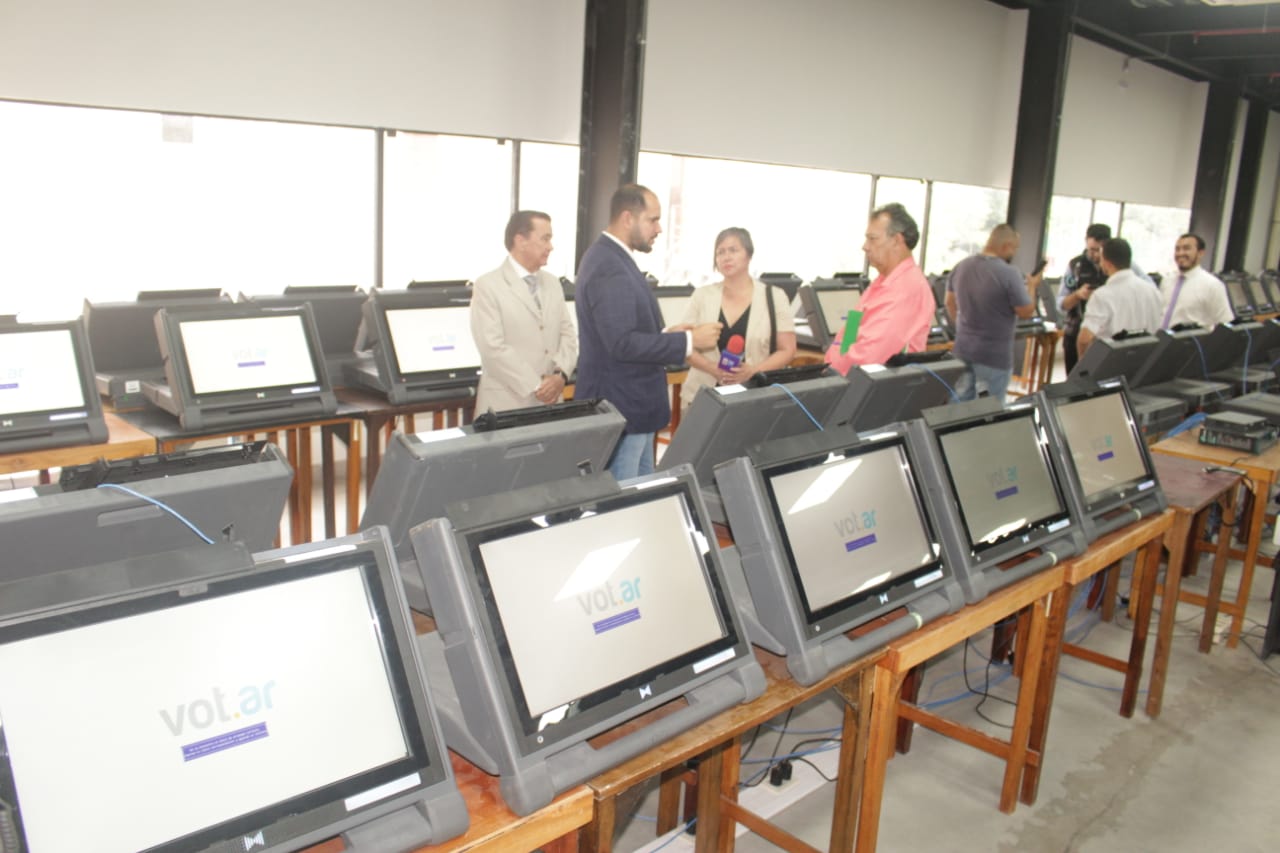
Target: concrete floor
(1201, 777)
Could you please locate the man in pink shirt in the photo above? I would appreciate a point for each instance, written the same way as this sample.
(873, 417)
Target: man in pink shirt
(898, 307)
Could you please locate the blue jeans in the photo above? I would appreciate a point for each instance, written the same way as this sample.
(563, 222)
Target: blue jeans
(633, 456)
(994, 379)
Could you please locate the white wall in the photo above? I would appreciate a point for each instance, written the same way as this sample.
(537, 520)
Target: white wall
(914, 88)
(1138, 142)
(480, 67)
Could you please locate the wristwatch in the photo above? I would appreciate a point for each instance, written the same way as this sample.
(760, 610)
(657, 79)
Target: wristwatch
(561, 373)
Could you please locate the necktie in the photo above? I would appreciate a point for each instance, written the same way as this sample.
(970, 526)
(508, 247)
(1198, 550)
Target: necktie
(532, 280)
(1173, 300)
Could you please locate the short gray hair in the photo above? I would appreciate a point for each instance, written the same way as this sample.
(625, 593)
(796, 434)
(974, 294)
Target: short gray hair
(900, 222)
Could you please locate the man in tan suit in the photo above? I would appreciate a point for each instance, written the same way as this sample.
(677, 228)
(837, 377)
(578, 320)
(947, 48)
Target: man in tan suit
(526, 337)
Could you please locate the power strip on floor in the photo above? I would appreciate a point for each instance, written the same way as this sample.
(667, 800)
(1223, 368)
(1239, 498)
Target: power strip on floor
(764, 799)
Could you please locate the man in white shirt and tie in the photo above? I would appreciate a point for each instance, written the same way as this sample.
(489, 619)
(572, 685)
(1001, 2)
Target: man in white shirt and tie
(527, 341)
(1126, 303)
(1193, 294)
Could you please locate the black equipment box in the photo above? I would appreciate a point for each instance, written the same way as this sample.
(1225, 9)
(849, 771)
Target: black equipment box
(1238, 431)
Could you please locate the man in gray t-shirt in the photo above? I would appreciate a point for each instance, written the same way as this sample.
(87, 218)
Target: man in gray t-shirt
(985, 298)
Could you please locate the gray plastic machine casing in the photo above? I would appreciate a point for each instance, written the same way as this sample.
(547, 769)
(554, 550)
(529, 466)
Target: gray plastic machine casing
(1116, 508)
(431, 812)
(777, 619)
(422, 474)
(56, 531)
(980, 574)
(467, 677)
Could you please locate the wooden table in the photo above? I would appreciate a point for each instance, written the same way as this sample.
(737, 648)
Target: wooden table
(1191, 491)
(124, 441)
(1037, 360)
(1147, 535)
(295, 439)
(718, 742)
(1029, 598)
(494, 827)
(1261, 473)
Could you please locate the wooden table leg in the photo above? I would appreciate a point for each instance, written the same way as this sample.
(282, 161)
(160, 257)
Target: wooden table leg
(597, 836)
(1217, 574)
(328, 482)
(1042, 703)
(1110, 587)
(303, 436)
(355, 436)
(1257, 520)
(730, 773)
(910, 692)
(711, 771)
(1051, 352)
(1149, 561)
(1177, 540)
(669, 785)
(295, 487)
(880, 731)
(850, 772)
(1033, 653)
(1022, 624)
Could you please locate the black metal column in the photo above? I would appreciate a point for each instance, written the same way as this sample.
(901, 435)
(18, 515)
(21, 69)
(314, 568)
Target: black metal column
(1208, 198)
(612, 79)
(1035, 150)
(1255, 134)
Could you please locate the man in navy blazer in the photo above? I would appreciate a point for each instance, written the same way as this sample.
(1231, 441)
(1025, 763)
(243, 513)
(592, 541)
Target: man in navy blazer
(622, 348)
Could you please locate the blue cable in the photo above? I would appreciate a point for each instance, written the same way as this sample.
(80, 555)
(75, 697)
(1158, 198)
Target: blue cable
(1190, 423)
(1080, 599)
(790, 755)
(954, 397)
(1204, 364)
(809, 414)
(154, 502)
(677, 833)
(770, 763)
(995, 682)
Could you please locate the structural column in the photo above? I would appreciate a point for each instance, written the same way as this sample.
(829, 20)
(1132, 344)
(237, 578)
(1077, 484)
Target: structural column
(1035, 152)
(1255, 134)
(1208, 198)
(612, 80)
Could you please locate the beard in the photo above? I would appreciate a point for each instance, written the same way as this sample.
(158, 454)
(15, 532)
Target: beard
(637, 241)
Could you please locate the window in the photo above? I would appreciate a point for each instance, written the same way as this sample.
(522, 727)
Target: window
(1152, 232)
(447, 202)
(1068, 220)
(960, 220)
(1108, 213)
(104, 203)
(549, 182)
(806, 221)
